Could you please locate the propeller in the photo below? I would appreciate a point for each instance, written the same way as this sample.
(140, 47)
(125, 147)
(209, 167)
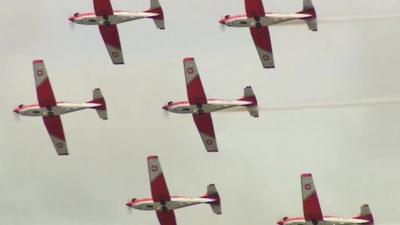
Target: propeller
(72, 25)
(222, 27)
(129, 206)
(17, 117)
(166, 114)
(129, 210)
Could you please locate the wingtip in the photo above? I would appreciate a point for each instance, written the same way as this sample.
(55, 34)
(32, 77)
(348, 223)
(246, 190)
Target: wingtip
(212, 150)
(63, 154)
(37, 61)
(152, 157)
(306, 175)
(188, 59)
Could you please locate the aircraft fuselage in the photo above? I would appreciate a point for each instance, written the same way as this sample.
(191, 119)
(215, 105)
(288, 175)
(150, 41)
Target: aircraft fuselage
(211, 106)
(267, 20)
(175, 203)
(327, 221)
(116, 18)
(59, 109)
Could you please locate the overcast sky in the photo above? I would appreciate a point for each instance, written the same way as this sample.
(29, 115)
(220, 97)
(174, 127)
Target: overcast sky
(353, 152)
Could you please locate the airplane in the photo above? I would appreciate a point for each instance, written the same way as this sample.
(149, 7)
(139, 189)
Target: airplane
(312, 210)
(258, 21)
(201, 107)
(50, 110)
(107, 19)
(163, 203)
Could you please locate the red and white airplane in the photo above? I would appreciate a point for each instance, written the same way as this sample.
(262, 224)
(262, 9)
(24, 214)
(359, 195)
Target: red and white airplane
(312, 210)
(163, 203)
(50, 110)
(258, 21)
(201, 107)
(107, 19)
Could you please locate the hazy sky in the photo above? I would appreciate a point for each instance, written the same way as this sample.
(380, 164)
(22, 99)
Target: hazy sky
(353, 152)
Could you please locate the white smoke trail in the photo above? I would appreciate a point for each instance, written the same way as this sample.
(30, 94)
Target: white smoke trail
(358, 18)
(341, 19)
(321, 105)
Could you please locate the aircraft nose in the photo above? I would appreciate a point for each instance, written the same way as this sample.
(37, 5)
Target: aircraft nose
(222, 21)
(129, 204)
(72, 19)
(165, 107)
(16, 110)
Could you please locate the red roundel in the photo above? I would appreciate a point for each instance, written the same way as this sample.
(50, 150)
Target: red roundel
(307, 186)
(209, 142)
(39, 73)
(115, 54)
(190, 70)
(154, 168)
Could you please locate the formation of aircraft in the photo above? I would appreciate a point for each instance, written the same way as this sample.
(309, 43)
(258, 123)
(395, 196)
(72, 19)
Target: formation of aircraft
(197, 104)
(163, 203)
(258, 21)
(107, 19)
(312, 210)
(50, 110)
(201, 107)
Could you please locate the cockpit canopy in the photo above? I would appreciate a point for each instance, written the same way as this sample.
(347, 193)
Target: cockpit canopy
(20, 106)
(169, 103)
(76, 14)
(133, 199)
(227, 16)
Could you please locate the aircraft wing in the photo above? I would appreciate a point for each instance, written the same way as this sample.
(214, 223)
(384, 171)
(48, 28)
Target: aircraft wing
(254, 8)
(159, 189)
(166, 217)
(194, 87)
(262, 41)
(43, 87)
(311, 207)
(206, 129)
(56, 132)
(111, 40)
(103, 7)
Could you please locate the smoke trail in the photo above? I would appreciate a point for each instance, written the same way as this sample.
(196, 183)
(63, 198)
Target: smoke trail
(358, 18)
(342, 19)
(321, 105)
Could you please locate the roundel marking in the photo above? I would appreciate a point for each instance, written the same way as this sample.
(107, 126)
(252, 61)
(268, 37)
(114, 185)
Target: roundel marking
(39, 73)
(115, 54)
(60, 145)
(307, 186)
(209, 142)
(190, 70)
(266, 57)
(154, 168)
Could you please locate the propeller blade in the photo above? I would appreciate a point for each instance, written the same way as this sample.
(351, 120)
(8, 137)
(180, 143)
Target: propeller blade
(72, 25)
(222, 27)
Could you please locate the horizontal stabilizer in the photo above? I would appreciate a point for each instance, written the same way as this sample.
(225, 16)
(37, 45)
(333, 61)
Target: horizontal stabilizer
(250, 96)
(213, 194)
(308, 8)
(365, 214)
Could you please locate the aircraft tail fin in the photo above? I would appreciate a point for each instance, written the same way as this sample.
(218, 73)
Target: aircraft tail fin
(250, 96)
(213, 194)
(308, 8)
(155, 7)
(99, 99)
(311, 207)
(365, 214)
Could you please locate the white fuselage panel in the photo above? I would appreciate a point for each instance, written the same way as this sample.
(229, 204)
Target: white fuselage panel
(267, 20)
(175, 203)
(61, 108)
(211, 106)
(118, 17)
